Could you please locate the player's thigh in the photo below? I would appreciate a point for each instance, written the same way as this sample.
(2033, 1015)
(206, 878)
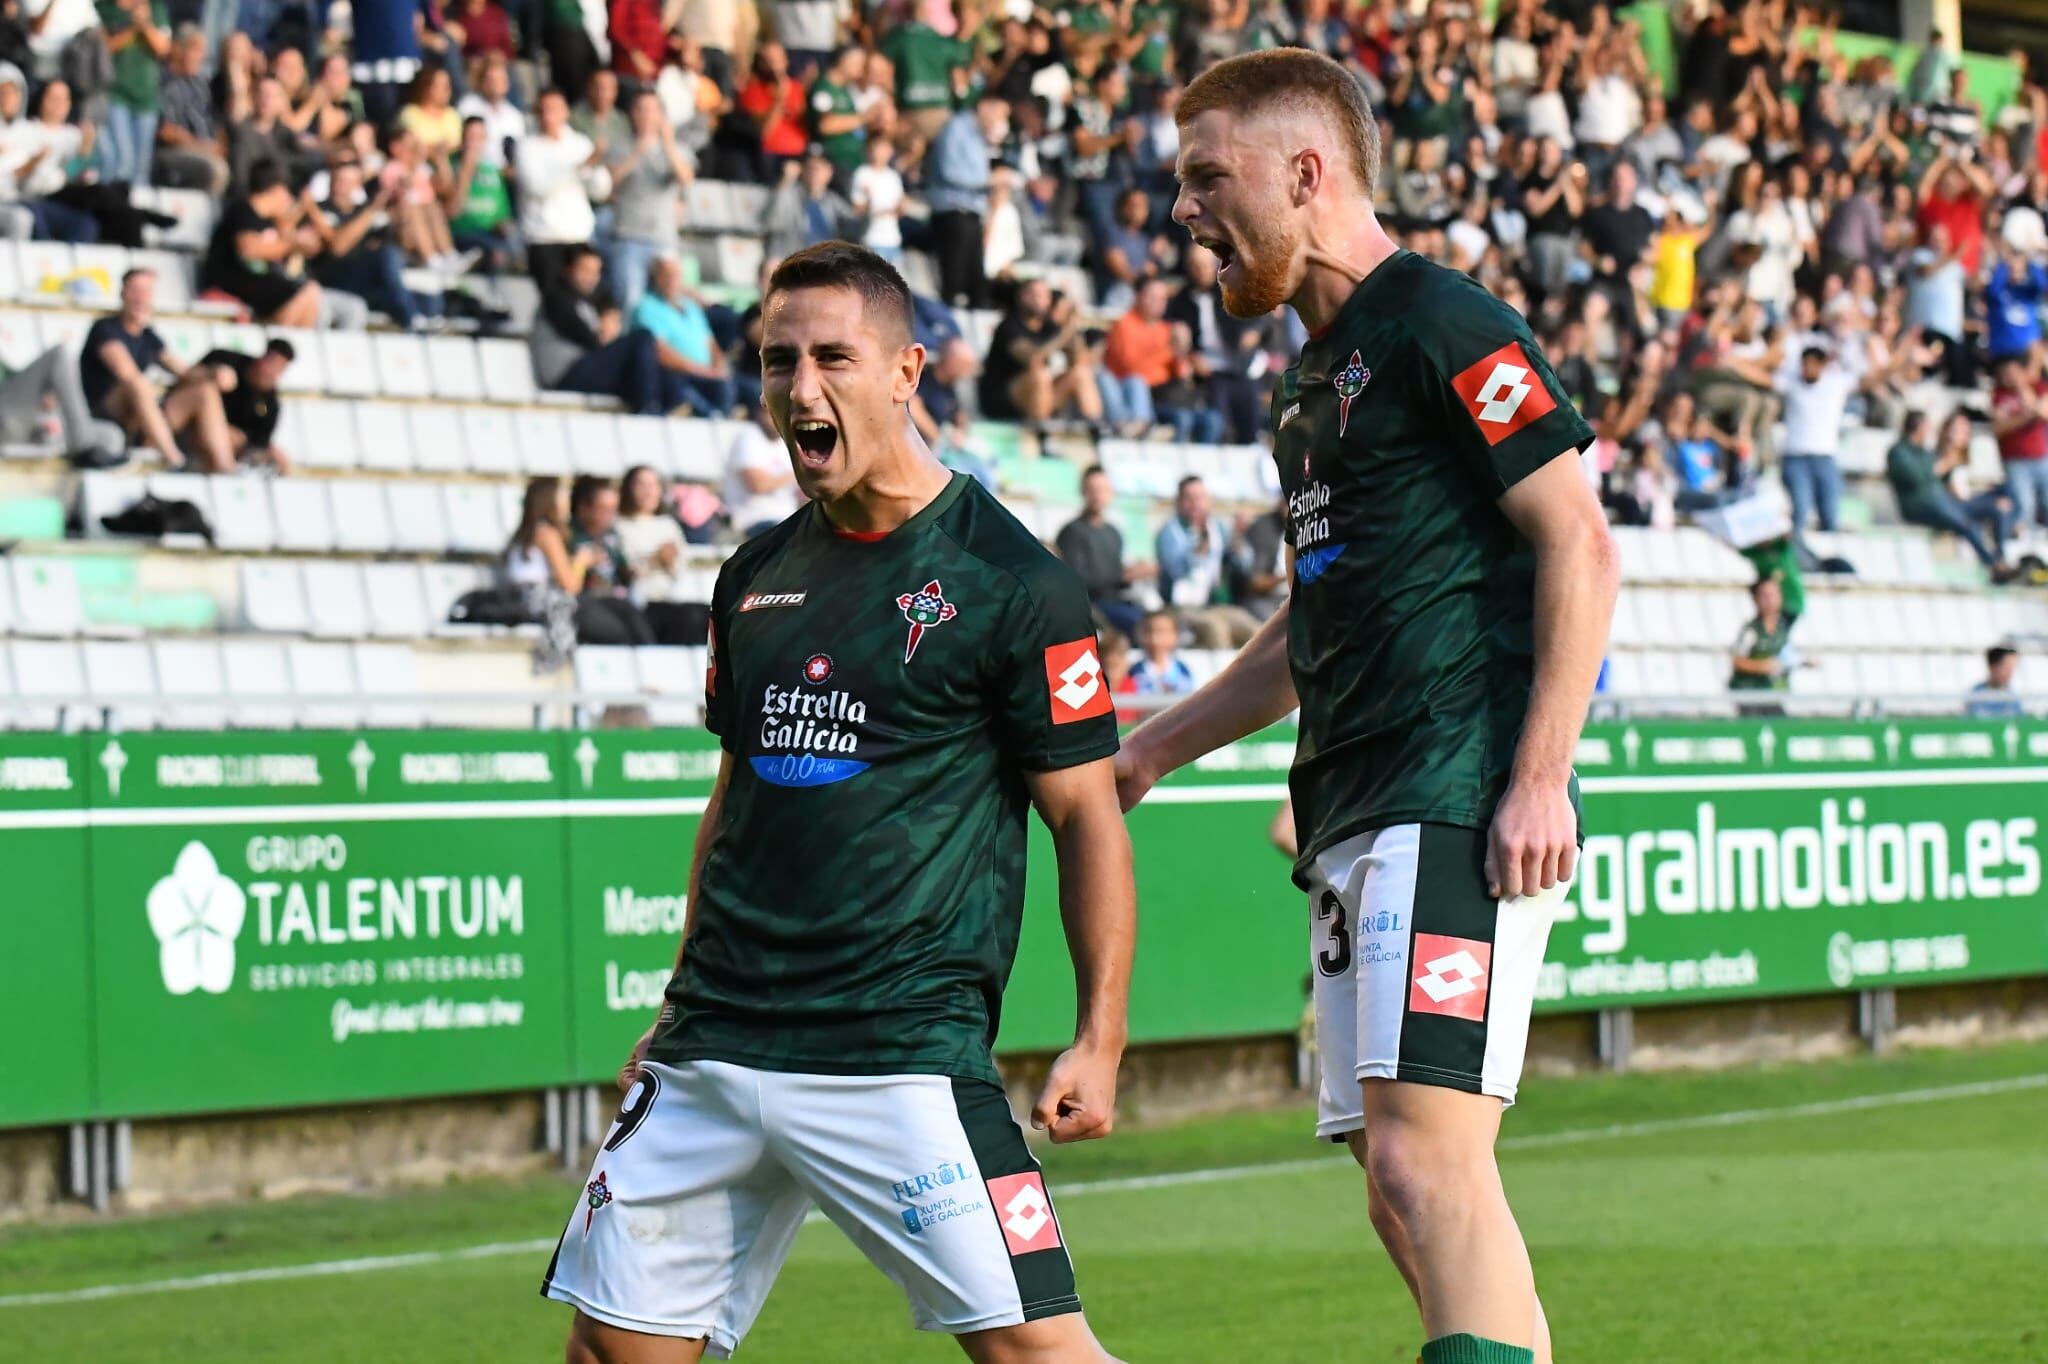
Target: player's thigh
(931, 1178)
(685, 1218)
(1358, 910)
(594, 1342)
(1049, 1340)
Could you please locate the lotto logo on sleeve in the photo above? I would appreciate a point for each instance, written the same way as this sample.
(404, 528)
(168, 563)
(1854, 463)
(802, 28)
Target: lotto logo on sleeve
(1503, 393)
(1025, 1212)
(1450, 977)
(1073, 672)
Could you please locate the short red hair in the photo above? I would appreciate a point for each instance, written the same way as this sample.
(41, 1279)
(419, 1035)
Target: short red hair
(1295, 77)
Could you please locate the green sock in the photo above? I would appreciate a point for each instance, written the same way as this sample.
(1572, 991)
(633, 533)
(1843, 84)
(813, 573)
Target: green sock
(1470, 1349)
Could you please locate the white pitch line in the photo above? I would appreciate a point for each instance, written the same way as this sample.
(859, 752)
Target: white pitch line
(1129, 1184)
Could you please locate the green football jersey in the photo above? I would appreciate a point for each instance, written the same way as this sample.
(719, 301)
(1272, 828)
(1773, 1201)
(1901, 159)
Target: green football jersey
(844, 150)
(882, 701)
(1411, 628)
(925, 61)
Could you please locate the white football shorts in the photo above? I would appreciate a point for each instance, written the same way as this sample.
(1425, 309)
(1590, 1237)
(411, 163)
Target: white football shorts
(709, 1168)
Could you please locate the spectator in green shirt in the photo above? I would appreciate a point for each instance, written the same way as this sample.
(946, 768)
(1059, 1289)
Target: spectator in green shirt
(138, 40)
(929, 74)
(837, 126)
(1763, 660)
(479, 205)
(1919, 478)
(1779, 559)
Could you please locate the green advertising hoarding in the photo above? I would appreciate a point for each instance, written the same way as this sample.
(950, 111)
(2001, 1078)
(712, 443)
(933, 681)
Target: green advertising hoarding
(46, 1032)
(320, 917)
(207, 922)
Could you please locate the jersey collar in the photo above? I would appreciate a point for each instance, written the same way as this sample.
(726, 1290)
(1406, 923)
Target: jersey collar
(924, 515)
(1319, 356)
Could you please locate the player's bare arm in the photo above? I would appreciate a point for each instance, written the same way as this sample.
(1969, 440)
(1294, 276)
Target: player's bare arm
(1533, 844)
(1099, 910)
(1254, 691)
(707, 829)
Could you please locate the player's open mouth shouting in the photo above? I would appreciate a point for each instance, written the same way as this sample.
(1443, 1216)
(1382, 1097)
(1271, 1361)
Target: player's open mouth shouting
(815, 438)
(1225, 253)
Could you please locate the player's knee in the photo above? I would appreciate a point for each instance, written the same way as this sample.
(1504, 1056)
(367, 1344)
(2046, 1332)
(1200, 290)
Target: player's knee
(1414, 1180)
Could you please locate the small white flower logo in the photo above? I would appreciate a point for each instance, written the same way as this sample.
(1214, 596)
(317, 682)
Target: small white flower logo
(196, 913)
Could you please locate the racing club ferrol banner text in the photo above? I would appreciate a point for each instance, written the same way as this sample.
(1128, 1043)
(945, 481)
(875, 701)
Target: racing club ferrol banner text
(211, 922)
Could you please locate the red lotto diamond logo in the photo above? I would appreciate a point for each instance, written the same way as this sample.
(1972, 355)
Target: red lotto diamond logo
(1025, 1212)
(1073, 673)
(1503, 393)
(1450, 977)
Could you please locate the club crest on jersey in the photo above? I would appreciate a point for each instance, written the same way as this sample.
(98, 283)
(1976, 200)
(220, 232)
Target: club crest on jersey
(1349, 382)
(818, 669)
(596, 1194)
(924, 609)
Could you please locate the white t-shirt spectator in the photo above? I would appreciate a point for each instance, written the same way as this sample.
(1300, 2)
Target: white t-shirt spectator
(641, 539)
(878, 193)
(501, 121)
(1548, 117)
(1609, 111)
(807, 25)
(58, 143)
(68, 19)
(554, 205)
(1813, 411)
(765, 453)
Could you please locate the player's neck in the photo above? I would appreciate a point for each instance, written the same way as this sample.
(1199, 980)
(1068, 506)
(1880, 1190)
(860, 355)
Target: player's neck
(898, 487)
(1337, 262)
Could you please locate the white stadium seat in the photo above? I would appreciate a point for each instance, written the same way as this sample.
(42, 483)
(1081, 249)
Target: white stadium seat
(119, 671)
(507, 370)
(273, 596)
(608, 670)
(351, 367)
(593, 440)
(183, 487)
(321, 432)
(493, 447)
(307, 372)
(96, 277)
(192, 681)
(675, 675)
(696, 450)
(452, 370)
(241, 515)
(437, 443)
(102, 494)
(335, 605)
(46, 597)
(300, 512)
(396, 600)
(187, 338)
(543, 439)
(419, 522)
(65, 330)
(44, 667)
(443, 585)
(320, 672)
(257, 668)
(195, 213)
(389, 670)
(475, 523)
(643, 440)
(401, 361)
(173, 278)
(42, 268)
(20, 341)
(384, 436)
(362, 516)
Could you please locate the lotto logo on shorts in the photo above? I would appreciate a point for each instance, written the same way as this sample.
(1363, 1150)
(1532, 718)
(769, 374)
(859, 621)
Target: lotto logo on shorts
(1450, 977)
(1025, 1212)
(1503, 393)
(1073, 672)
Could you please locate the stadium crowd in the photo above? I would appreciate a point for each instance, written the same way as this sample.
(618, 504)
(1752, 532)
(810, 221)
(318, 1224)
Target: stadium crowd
(1724, 272)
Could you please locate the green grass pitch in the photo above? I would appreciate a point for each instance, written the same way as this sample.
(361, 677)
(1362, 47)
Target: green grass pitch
(1900, 1231)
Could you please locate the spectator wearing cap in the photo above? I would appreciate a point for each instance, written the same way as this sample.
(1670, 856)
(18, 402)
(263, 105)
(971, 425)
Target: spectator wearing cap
(1919, 475)
(188, 151)
(257, 253)
(697, 370)
(251, 402)
(1093, 547)
(114, 365)
(2019, 418)
(580, 346)
(554, 162)
(956, 184)
(1994, 697)
(649, 172)
(1816, 397)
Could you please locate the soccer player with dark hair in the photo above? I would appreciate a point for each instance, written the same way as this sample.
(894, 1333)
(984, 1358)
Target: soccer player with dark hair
(1453, 582)
(899, 670)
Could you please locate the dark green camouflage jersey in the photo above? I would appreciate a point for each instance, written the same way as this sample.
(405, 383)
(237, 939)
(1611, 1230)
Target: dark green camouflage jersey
(881, 700)
(1411, 628)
